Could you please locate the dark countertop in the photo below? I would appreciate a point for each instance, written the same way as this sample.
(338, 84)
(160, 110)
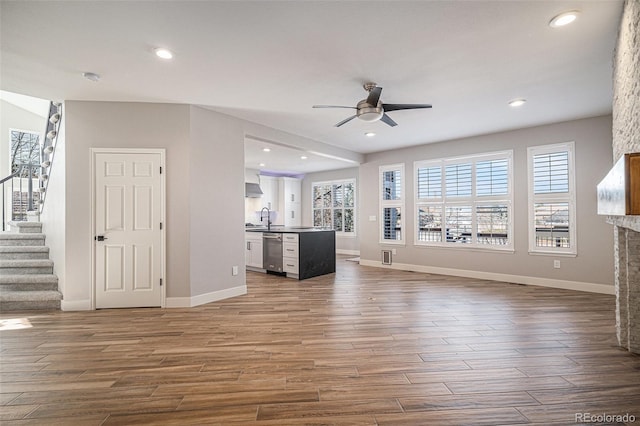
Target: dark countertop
(288, 229)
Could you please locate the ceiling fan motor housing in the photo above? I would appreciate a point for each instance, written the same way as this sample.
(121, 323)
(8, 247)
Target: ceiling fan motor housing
(368, 113)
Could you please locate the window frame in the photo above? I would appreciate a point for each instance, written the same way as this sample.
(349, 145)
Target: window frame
(474, 201)
(568, 197)
(343, 208)
(397, 203)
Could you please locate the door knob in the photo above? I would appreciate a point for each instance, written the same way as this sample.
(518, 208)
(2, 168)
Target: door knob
(100, 238)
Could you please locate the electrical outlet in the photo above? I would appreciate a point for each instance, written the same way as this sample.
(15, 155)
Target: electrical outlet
(372, 218)
(234, 270)
(556, 264)
(393, 251)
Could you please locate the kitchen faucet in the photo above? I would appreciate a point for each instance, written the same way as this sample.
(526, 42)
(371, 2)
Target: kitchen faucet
(268, 217)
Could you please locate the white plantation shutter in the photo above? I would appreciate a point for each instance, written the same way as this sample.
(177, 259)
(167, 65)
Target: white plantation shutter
(465, 200)
(392, 184)
(430, 182)
(552, 226)
(551, 172)
(458, 180)
(492, 177)
(392, 204)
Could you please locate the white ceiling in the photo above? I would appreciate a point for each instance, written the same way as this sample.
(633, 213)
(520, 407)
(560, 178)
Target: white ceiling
(269, 62)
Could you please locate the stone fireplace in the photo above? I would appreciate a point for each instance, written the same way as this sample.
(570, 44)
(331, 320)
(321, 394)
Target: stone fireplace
(626, 139)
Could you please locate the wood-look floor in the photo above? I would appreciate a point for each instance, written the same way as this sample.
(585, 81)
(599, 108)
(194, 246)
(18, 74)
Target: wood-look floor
(364, 346)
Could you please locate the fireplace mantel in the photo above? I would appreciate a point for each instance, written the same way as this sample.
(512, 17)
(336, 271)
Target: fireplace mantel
(619, 193)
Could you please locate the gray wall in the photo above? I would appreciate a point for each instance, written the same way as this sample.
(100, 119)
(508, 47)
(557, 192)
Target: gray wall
(595, 241)
(121, 125)
(216, 207)
(347, 244)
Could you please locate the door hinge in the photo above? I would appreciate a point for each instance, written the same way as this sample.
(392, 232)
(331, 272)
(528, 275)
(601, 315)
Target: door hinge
(161, 225)
(160, 282)
(160, 169)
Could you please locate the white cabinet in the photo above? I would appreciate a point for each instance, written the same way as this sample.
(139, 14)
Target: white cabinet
(253, 249)
(282, 195)
(271, 192)
(290, 254)
(290, 190)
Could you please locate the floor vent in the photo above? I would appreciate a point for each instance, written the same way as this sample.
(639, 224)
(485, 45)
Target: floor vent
(386, 257)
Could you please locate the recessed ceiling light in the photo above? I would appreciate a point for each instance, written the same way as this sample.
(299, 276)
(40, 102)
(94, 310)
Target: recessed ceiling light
(262, 164)
(369, 134)
(304, 157)
(564, 19)
(91, 76)
(266, 149)
(517, 102)
(164, 53)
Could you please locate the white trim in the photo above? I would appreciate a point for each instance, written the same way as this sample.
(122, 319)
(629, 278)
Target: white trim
(349, 252)
(201, 299)
(163, 214)
(76, 305)
(508, 278)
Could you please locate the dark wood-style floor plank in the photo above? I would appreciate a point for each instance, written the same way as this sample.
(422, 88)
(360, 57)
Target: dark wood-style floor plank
(363, 346)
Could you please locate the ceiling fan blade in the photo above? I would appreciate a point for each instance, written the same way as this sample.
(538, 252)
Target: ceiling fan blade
(345, 121)
(332, 106)
(386, 119)
(396, 107)
(374, 96)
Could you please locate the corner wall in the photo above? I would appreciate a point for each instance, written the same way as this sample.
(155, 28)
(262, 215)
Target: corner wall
(590, 270)
(216, 208)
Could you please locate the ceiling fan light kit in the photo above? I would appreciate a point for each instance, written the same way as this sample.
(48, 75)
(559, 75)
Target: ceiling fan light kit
(372, 109)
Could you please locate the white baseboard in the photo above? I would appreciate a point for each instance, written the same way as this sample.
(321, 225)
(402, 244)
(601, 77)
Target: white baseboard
(75, 305)
(201, 299)
(518, 279)
(350, 252)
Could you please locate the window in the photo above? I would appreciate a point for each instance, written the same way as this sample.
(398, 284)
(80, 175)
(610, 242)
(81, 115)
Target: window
(465, 202)
(26, 159)
(552, 199)
(25, 151)
(334, 205)
(392, 203)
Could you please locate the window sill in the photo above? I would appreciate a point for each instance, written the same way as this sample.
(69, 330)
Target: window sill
(552, 253)
(392, 243)
(461, 247)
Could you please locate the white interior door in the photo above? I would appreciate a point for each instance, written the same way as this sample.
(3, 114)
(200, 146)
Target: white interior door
(129, 210)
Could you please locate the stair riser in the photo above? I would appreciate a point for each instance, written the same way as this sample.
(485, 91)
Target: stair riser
(22, 242)
(26, 270)
(24, 255)
(30, 305)
(28, 287)
(26, 230)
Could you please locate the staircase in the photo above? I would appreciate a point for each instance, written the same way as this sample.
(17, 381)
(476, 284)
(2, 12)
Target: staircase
(26, 272)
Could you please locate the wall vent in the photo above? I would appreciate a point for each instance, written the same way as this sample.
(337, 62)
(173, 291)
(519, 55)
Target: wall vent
(386, 257)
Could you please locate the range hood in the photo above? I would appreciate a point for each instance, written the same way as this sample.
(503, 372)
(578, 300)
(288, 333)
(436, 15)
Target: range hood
(252, 190)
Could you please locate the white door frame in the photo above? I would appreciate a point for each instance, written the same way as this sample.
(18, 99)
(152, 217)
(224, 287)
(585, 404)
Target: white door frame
(163, 266)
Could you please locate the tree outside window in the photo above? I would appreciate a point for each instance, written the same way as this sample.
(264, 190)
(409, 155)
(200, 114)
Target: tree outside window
(334, 206)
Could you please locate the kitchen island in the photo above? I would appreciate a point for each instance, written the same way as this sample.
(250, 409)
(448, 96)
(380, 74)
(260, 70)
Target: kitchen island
(306, 252)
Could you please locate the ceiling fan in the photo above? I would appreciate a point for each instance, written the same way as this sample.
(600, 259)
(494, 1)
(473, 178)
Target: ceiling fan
(372, 109)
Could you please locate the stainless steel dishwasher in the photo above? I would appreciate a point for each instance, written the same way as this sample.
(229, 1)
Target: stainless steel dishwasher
(272, 251)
